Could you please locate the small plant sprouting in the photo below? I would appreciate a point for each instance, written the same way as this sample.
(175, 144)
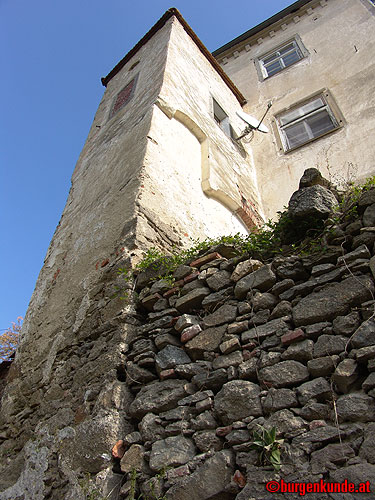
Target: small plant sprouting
(90, 491)
(154, 496)
(158, 477)
(133, 484)
(348, 203)
(268, 447)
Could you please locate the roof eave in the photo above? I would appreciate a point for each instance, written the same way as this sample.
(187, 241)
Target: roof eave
(294, 7)
(170, 13)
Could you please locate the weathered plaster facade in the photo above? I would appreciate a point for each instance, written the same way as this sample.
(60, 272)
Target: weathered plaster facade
(195, 173)
(157, 170)
(338, 36)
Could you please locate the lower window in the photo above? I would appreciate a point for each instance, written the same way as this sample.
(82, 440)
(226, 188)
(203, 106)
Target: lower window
(307, 122)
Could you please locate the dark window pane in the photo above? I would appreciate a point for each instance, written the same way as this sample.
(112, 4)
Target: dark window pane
(291, 116)
(274, 68)
(296, 134)
(287, 48)
(320, 123)
(301, 111)
(270, 58)
(225, 125)
(281, 58)
(219, 113)
(291, 58)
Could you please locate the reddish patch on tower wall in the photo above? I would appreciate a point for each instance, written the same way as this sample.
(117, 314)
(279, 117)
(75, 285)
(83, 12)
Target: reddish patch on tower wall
(80, 415)
(248, 213)
(56, 274)
(247, 218)
(123, 97)
(119, 251)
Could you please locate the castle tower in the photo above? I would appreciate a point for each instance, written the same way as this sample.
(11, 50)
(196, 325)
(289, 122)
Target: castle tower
(160, 166)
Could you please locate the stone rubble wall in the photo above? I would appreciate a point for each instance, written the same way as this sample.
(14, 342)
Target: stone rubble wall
(238, 343)
(176, 386)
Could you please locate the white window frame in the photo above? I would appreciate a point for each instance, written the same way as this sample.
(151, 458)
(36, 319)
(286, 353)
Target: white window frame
(278, 56)
(302, 113)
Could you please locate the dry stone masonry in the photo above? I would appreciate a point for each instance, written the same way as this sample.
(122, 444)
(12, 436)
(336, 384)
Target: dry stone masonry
(235, 343)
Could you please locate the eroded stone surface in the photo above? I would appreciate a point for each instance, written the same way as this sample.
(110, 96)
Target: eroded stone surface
(171, 356)
(207, 340)
(236, 400)
(209, 480)
(276, 326)
(345, 374)
(318, 389)
(192, 300)
(312, 201)
(224, 314)
(263, 279)
(355, 407)
(133, 459)
(284, 374)
(171, 452)
(334, 300)
(279, 399)
(157, 396)
(364, 336)
(244, 268)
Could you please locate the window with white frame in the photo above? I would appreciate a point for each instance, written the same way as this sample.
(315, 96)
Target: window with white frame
(222, 119)
(284, 56)
(307, 122)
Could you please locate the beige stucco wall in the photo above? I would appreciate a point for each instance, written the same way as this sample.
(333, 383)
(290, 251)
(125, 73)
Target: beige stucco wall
(339, 37)
(173, 186)
(227, 170)
(100, 214)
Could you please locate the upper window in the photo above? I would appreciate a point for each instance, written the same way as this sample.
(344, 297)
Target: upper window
(222, 119)
(307, 122)
(284, 56)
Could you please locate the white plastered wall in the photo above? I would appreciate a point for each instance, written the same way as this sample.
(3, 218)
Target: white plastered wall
(339, 37)
(199, 175)
(174, 170)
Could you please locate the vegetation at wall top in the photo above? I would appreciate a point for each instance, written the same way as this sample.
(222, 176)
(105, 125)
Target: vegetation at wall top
(283, 236)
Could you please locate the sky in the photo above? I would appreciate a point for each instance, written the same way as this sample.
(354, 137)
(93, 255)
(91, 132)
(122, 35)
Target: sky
(53, 54)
